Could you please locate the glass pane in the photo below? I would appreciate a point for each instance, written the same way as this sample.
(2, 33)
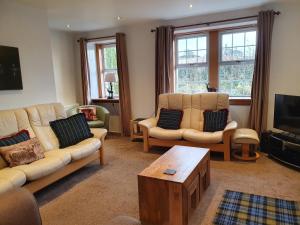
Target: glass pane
(202, 56)
(181, 45)
(226, 40)
(181, 58)
(251, 38)
(91, 54)
(191, 79)
(191, 56)
(192, 44)
(110, 58)
(238, 53)
(250, 52)
(115, 85)
(201, 43)
(226, 54)
(236, 80)
(238, 39)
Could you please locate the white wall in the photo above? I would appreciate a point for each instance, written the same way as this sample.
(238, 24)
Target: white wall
(27, 29)
(62, 44)
(285, 63)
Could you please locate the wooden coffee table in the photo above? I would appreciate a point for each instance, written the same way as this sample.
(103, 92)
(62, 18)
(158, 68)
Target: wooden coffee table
(171, 199)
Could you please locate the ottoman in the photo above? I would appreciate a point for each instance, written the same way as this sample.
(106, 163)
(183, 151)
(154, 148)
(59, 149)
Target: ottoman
(247, 138)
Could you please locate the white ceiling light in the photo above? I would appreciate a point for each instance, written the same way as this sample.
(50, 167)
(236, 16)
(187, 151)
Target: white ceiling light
(68, 26)
(191, 5)
(118, 18)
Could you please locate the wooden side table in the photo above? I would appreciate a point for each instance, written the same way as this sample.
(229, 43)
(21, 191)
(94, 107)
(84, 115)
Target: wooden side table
(135, 131)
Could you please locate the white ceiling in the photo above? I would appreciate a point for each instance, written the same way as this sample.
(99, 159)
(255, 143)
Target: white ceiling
(86, 15)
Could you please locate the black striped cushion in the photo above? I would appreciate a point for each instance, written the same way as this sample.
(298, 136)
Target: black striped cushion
(72, 130)
(215, 120)
(170, 119)
(21, 136)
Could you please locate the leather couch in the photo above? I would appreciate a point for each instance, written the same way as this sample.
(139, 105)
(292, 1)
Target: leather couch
(191, 127)
(101, 112)
(57, 162)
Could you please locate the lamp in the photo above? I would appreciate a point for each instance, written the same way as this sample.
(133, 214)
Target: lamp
(110, 77)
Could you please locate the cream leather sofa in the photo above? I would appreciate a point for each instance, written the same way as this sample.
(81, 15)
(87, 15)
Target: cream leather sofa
(57, 162)
(191, 128)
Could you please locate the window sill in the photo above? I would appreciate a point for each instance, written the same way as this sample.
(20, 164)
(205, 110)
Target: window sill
(239, 101)
(105, 100)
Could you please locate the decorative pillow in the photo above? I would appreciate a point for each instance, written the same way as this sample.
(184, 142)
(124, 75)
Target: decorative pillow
(16, 138)
(22, 153)
(89, 112)
(215, 120)
(72, 130)
(170, 119)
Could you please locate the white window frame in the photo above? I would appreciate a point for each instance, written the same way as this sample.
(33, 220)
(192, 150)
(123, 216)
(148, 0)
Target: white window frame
(190, 65)
(234, 62)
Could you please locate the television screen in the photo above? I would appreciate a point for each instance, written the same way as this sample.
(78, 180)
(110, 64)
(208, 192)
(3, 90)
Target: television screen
(287, 113)
(10, 71)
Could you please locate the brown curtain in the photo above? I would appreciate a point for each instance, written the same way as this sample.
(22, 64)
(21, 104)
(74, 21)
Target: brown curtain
(84, 72)
(164, 61)
(124, 91)
(261, 75)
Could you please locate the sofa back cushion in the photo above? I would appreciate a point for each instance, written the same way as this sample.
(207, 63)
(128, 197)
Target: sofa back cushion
(40, 116)
(193, 106)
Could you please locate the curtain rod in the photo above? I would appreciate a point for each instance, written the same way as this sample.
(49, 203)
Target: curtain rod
(217, 21)
(97, 38)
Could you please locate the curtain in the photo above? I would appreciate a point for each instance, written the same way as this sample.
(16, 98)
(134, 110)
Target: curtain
(124, 91)
(261, 75)
(164, 61)
(86, 96)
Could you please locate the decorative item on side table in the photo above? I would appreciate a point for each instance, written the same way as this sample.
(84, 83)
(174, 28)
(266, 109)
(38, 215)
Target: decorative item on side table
(135, 130)
(111, 78)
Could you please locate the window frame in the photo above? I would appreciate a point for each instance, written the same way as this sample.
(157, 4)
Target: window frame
(235, 100)
(189, 65)
(214, 48)
(101, 69)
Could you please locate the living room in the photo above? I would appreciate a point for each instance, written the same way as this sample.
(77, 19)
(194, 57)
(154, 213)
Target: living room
(152, 86)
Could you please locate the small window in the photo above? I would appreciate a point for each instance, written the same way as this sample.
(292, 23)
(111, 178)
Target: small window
(236, 63)
(191, 64)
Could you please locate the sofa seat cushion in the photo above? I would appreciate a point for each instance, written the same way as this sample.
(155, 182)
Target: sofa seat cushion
(95, 124)
(83, 148)
(16, 177)
(64, 156)
(165, 134)
(41, 168)
(5, 185)
(203, 137)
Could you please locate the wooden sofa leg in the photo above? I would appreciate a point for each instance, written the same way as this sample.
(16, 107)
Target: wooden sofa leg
(227, 154)
(145, 138)
(101, 156)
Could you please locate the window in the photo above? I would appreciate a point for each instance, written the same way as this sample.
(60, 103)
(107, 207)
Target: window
(107, 65)
(236, 62)
(191, 64)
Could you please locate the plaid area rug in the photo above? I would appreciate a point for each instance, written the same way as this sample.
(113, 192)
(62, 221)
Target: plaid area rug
(242, 208)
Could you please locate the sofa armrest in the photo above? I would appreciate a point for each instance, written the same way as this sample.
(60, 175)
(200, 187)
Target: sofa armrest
(99, 133)
(231, 126)
(103, 114)
(18, 206)
(148, 123)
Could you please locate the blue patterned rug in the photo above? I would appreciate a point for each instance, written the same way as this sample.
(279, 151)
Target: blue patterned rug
(242, 208)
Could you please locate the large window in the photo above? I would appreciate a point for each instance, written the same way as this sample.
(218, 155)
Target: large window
(237, 54)
(191, 64)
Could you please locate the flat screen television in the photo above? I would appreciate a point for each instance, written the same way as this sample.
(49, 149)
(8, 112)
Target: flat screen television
(287, 113)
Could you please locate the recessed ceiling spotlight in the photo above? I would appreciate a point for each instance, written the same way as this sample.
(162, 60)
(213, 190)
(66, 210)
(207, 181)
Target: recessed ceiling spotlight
(68, 26)
(118, 18)
(191, 5)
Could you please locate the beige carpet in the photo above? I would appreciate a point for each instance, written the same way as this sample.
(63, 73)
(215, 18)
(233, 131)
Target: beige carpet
(94, 195)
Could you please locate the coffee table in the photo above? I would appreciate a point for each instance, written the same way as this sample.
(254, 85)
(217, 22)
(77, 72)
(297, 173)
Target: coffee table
(171, 199)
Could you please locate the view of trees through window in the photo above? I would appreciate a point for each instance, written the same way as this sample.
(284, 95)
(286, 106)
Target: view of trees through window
(110, 66)
(191, 64)
(237, 62)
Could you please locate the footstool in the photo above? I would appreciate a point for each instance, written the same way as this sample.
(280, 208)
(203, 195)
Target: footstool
(246, 137)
